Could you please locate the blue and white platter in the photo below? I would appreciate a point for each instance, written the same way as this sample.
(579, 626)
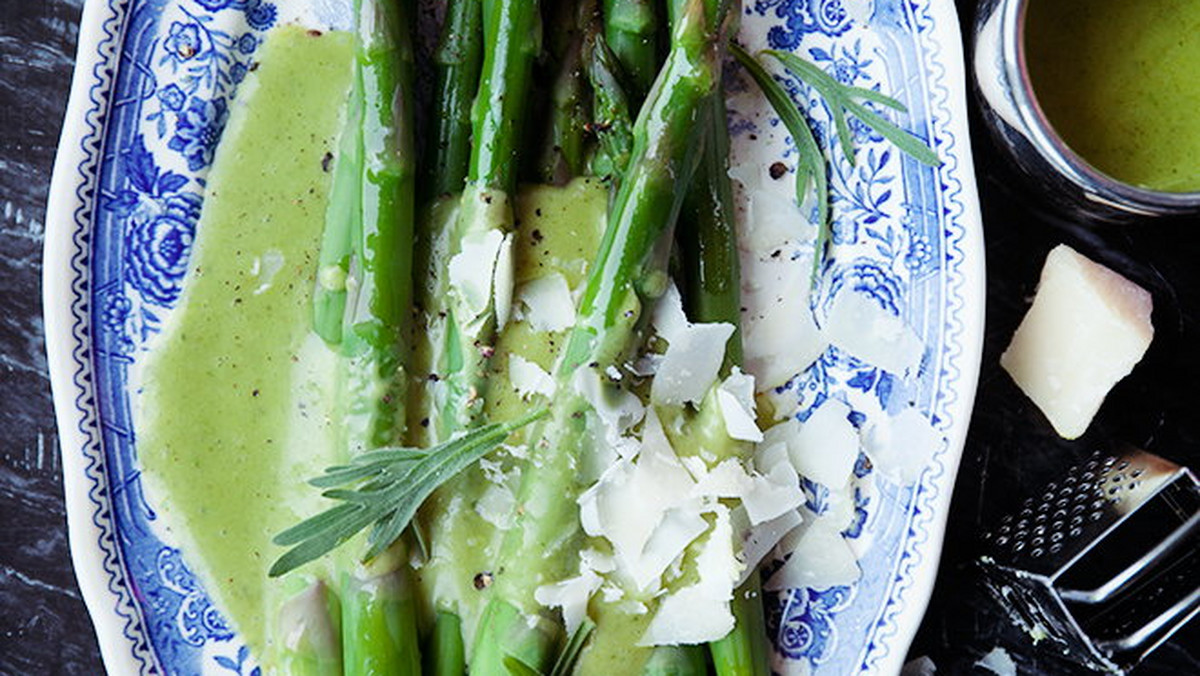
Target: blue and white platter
(150, 96)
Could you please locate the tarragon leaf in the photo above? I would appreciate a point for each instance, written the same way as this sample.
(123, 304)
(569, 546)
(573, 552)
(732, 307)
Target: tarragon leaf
(389, 495)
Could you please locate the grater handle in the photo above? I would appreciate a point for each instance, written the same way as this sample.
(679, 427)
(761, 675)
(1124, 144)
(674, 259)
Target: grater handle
(1154, 632)
(1136, 569)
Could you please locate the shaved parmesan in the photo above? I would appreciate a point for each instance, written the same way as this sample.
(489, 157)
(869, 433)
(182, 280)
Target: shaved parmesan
(472, 271)
(629, 502)
(590, 559)
(689, 367)
(618, 409)
(694, 352)
(775, 220)
(497, 506)
(858, 324)
(668, 318)
(999, 662)
(781, 335)
(503, 281)
(773, 494)
(902, 445)
(825, 446)
(528, 378)
(679, 526)
(571, 596)
(700, 613)
(735, 396)
(1086, 330)
(727, 480)
(759, 540)
(547, 303)
(821, 559)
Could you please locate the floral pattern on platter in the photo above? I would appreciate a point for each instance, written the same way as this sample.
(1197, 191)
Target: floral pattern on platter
(883, 248)
(164, 73)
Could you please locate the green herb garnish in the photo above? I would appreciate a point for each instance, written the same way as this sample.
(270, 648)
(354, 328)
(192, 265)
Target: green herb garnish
(385, 488)
(839, 99)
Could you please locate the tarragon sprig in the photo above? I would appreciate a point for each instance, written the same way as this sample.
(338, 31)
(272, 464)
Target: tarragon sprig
(840, 99)
(384, 488)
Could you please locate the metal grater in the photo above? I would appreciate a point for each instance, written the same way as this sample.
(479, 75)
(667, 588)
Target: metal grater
(1105, 563)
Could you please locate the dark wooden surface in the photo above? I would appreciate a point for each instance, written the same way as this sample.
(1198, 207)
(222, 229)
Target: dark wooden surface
(44, 628)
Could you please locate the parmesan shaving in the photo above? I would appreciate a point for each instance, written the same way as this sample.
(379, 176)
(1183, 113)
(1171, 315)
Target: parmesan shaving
(694, 352)
(821, 559)
(502, 282)
(571, 596)
(860, 326)
(528, 378)
(547, 303)
(735, 396)
(825, 447)
(759, 540)
(472, 271)
(902, 445)
(774, 494)
(700, 613)
(781, 335)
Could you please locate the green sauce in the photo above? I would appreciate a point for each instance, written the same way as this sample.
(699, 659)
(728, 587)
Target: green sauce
(1119, 80)
(236, 405)
(232, 413)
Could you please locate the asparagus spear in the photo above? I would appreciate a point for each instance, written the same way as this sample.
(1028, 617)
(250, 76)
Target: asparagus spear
(309, 624)
(456, 73)
(562, 154)
(713, 286)
(509, 35)
(612, 122)
(378, 613)
(630, 27)
(540, 548)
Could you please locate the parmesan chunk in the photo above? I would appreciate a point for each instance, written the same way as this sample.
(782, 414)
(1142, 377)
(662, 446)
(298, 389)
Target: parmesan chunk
(473, 270)
(781, 336)
(694, 353)
(571, 595)
(1087, 328)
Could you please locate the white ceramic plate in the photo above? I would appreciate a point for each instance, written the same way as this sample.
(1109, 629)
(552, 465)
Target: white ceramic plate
(151, 90)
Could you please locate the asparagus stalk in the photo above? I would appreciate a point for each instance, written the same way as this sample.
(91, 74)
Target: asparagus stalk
(612, 122)
(563, 153)
(456, 73)
(309, 624)
(378, 613)
(540, 547)
(713, 287)
(630, 27)
(509, 37)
